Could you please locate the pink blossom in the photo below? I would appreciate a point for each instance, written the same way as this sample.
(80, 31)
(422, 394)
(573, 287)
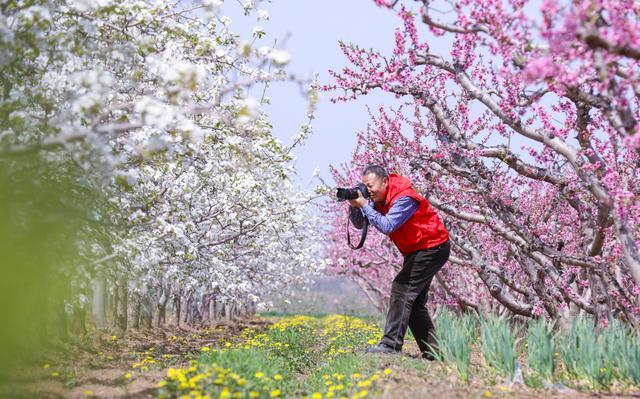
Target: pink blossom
(525, 122)
(540, 68)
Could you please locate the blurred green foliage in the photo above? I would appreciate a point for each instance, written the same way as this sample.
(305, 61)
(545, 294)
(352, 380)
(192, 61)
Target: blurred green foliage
(43, 210)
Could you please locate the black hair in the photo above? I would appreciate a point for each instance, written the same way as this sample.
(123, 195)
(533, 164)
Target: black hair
(376, 170)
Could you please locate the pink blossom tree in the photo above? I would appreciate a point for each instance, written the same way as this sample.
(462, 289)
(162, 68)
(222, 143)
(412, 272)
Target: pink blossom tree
(524, 136)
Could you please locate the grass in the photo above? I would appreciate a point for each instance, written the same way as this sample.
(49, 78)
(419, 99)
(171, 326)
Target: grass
(298, 356)
(582, 354)
(499, 345)
(629, 365)
(540, 352)
(311, 357)
(352, 375)
(454, 335)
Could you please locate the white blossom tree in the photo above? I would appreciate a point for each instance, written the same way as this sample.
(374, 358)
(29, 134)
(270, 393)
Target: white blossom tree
(159, 105)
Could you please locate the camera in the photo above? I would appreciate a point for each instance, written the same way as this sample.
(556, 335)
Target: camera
(352, 193)
(356, 217)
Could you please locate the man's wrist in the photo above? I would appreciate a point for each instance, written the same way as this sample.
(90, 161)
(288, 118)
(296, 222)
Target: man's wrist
(368, 208)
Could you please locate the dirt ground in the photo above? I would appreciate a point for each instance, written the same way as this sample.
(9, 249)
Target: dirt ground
(116, 365)
(112, 365)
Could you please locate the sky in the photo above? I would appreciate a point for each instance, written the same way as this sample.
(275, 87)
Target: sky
(311, 31)
(314, 29)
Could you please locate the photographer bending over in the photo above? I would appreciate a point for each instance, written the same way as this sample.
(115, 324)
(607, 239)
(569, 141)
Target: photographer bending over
(397, 210)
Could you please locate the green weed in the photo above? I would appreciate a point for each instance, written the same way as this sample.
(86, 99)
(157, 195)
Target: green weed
(498, 345)
(540, 349)
(582, 354)
(453, 336)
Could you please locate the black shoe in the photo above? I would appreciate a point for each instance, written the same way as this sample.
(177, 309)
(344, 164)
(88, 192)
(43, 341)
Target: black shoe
(381, 348)
(428, 355)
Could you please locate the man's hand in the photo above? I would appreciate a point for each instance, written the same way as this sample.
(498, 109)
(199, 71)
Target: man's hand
(358, 202)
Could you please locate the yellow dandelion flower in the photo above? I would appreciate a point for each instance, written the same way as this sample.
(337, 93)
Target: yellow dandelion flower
(277, 377)
(387, 371)
(162, 384)
(259, 374)
(316, 395)
(128, 376)
(487, 394)
(275, 393)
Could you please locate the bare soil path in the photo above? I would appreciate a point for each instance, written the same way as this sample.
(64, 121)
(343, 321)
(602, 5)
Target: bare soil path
(116, 365)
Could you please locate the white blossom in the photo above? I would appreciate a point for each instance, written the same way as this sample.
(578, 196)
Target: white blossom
(248, 6)
(89, 5)
(258, 31)
(279, 57)
(212, 7)
(161, 123)
(263, 15)
(244, 49)
(248, 111)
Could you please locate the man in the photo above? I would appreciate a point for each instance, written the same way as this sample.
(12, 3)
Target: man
(398, 211)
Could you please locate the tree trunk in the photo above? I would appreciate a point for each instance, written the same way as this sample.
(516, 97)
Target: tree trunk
(211, 310)
(176, 306)
(227, 312)
(123, 306)
(161, 310)
(99, 309)
(115, 299)
(137, 314)
(147, 311)
(78, 318)
(161, 314)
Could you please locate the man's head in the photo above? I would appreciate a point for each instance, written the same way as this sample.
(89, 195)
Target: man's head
(376, 179)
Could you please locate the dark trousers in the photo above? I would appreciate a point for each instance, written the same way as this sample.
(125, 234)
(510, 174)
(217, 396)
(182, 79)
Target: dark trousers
(409, 291)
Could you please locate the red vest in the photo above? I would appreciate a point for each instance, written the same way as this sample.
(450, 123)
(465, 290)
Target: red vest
(423, 229)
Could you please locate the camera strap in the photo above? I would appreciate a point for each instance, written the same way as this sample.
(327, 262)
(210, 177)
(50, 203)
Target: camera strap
(363, 233)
